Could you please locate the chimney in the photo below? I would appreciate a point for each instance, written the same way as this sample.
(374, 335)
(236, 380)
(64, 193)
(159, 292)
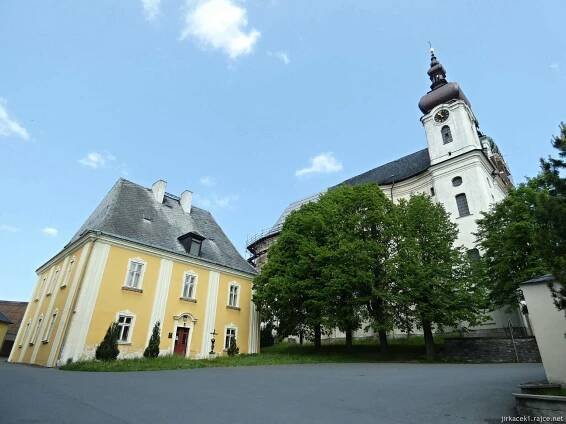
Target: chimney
(158, 190)
(186, 200)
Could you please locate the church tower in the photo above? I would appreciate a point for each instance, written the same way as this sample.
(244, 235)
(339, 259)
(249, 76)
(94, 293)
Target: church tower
(468, 172)
(450, 125)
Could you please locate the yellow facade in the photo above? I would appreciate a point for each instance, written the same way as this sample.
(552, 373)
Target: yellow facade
(81, 291)
(3, 331)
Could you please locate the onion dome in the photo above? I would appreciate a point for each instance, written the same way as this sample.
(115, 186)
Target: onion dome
(441, 91)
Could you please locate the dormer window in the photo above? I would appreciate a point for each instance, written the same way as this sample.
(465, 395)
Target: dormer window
(192, 242)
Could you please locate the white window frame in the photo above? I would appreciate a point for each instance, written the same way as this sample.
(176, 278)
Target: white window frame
(36, 330)
(49, 328)
(230, 326)
(53, 283)
(68, 270)
(42, 284)
(238, 292)
(195, 283)
(142, 273)
(126, 314)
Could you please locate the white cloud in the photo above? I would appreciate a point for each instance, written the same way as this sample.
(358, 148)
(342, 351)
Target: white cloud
(220, 24)
(207, 181)
(215, 202)
(322, 163)
(225, 201)
(554, 66)
(281, 55)
(50, 231)
(151, 9)
(8, 228)
(9, 127)
(97, 160)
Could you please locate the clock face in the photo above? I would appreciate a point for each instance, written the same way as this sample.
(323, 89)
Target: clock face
(441, 115)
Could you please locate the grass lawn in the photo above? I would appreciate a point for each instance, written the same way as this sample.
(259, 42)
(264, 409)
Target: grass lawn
(400, 350)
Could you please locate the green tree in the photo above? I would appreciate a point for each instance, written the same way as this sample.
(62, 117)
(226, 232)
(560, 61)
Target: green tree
(288, 290)
(508, 235)
(524, 235)
(152, 349)
(433, 279)
(551, 213)
(326, 267)
(108, 350)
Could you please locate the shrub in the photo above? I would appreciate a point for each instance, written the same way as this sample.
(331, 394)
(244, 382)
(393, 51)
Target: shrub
(108, 349)
(152, 349)
(233, 349)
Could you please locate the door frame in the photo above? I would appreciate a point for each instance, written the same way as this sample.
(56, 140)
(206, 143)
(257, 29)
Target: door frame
(184, 320)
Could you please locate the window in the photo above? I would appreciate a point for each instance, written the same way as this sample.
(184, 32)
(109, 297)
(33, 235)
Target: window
(192, 242)
(195, 247)
(233, 295)
(457, 181)
(36, 330)
(230, 333)
(446, 134)
(189, 286)
(53, 282)
(40, 288)
(49, 328)
(125, 323)
(135, 273)
(462, 204)
(432, 191)
(67, 275)
(25, 333)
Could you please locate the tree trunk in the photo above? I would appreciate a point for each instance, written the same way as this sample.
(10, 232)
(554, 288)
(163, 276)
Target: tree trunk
(349, 339)
(301, 338)
(429, 340)
(383, 345)
(317, 336)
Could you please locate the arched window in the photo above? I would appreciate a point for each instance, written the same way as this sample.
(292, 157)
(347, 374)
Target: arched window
(462, 204)
(446, 134)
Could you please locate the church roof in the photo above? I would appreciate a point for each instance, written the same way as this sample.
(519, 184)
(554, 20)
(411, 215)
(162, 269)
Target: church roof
(398, 170)
(130, 212)
(395, 171)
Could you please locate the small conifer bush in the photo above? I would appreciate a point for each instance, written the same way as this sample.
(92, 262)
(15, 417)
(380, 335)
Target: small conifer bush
(107, 350)
(152, 349)
(233, 349)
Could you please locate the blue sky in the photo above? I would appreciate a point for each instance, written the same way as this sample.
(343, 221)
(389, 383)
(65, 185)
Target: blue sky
(234, 99)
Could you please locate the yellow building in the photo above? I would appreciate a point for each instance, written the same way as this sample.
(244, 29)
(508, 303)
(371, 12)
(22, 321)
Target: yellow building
(4, 323)
(143, 256)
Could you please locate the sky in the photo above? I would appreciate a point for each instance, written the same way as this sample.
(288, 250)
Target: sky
(250, 104)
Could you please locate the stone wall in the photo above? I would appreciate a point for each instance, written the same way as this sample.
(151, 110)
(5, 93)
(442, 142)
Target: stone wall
(486, 349)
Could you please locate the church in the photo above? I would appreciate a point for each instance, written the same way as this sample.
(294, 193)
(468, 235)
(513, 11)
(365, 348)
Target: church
(461, 168)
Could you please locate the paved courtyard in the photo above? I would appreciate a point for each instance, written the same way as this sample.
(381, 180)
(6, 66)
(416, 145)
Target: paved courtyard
(329, 393)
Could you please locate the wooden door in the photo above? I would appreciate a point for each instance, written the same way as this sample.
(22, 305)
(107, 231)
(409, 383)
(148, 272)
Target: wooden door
(181, 341)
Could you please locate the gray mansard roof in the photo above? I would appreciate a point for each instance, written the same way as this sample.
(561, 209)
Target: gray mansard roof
(130, 212)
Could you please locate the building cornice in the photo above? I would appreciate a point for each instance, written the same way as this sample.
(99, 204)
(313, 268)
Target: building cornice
(118, 241)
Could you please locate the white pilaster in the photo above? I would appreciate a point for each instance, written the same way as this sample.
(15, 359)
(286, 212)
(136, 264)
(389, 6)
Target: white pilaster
(253, 339)
(210, 313)
(72, 286)
(161, 294)
(80, 322)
